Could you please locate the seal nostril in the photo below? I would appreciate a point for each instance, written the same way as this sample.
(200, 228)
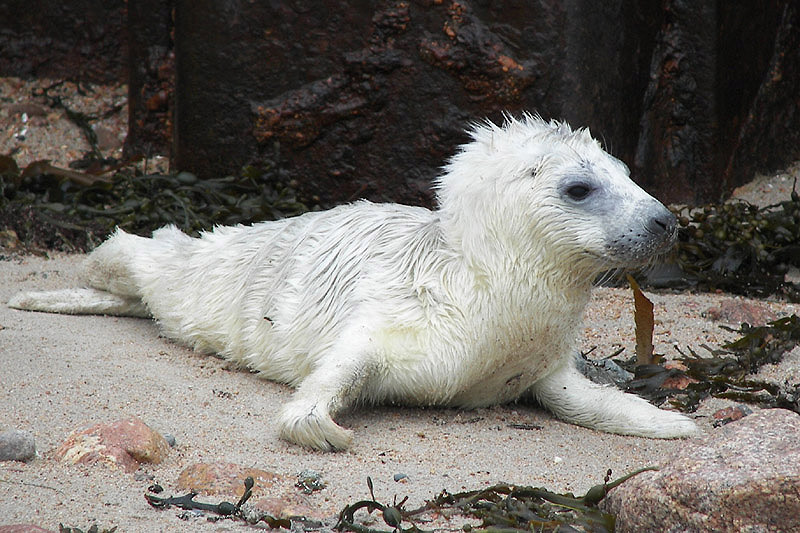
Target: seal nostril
(662, 224)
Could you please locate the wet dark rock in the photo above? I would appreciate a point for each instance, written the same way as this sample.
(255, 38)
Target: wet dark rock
(80, 40)
(368, 101)
(741, 477)
(17, 445)
(151, 77)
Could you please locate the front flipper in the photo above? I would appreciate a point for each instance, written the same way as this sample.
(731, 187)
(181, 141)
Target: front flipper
(79, 302)
(332, 387)
(574, 398)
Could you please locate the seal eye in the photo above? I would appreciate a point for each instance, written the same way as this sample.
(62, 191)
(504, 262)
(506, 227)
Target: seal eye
(579, 191)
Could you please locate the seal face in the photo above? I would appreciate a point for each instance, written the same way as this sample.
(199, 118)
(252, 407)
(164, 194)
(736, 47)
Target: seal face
(474, 303)
(635, 229)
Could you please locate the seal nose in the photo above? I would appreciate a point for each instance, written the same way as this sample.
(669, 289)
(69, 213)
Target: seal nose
(663, 222)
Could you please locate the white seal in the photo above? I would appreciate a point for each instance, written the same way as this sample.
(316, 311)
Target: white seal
(475, 303)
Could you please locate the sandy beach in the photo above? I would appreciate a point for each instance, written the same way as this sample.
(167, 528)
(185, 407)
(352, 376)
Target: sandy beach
(60, 373)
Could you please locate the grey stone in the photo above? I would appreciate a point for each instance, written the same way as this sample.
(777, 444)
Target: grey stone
(744, 476)
(17, 445)
(170, 438)
(602, 371)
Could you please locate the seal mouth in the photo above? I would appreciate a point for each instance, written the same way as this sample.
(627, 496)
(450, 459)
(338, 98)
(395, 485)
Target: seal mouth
(655, 235)
(664, 242)
(637, 249)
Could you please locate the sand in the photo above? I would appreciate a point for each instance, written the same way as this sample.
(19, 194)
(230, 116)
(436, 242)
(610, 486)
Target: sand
(59, 373)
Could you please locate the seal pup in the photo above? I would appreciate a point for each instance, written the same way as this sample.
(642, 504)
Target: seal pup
(475, 303)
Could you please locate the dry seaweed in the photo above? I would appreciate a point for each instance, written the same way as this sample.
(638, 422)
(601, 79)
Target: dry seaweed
(501, 507)
(645, 323)
(741, 248)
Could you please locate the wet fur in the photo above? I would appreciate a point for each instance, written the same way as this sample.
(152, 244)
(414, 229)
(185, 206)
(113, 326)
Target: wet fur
(473, 304)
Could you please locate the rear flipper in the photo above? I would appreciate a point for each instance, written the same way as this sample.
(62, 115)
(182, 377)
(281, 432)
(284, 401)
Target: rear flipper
(108, 270)
(79, 302)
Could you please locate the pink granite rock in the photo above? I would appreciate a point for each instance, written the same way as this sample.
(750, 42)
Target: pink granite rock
(272, 493)
(226, 479)
(737, 311)
(125, 443)
(23, 528)
(744, 476)
(291, 505)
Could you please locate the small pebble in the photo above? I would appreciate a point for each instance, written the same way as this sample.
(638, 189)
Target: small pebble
(170, 438)
(16, 445)
(142, 476)
(730, 414)
(401, 477)
(310, 481)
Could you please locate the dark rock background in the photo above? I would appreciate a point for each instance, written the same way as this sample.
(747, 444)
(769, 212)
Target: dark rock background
(78, 39)
(367, 99)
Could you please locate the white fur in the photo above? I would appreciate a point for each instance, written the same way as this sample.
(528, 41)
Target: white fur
(473, 304)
